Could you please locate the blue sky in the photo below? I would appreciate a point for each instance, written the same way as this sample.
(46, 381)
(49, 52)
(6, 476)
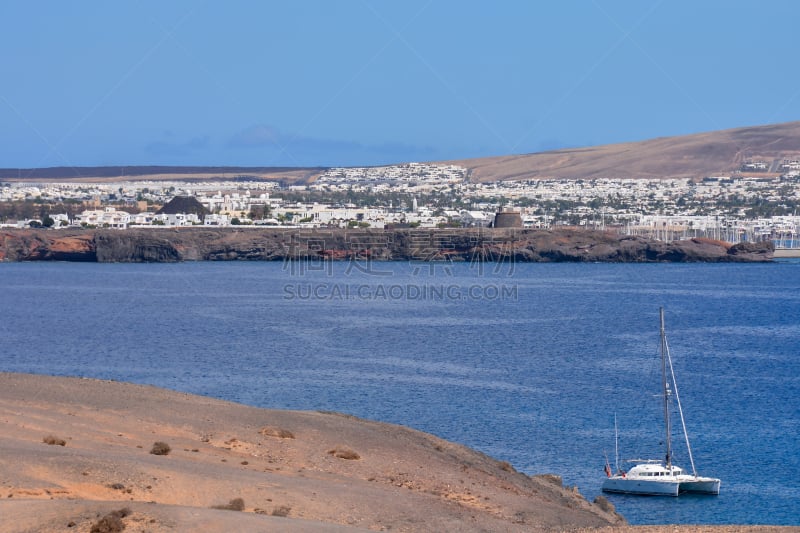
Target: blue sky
(358, 82)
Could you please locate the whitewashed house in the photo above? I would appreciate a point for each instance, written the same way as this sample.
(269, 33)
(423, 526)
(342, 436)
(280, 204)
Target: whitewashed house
(216, 220)
(474, 219)
(108, 217)
(177, 219)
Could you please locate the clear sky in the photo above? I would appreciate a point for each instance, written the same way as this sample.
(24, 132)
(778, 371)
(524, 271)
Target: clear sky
(360, 82)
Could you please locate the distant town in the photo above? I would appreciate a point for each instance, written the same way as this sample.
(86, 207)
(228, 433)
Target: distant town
(758, 202)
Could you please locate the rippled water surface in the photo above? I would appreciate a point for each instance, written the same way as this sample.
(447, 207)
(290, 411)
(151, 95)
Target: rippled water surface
(528, 363)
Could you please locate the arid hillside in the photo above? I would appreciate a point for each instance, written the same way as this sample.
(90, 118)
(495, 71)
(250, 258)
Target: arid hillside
(73, 451)
(689, 156)
(86, 455)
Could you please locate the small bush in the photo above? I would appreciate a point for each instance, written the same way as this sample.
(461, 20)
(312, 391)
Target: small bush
(117, 486)
(505, 465)
(53, 440)
(552, 478)
(283, 510)
(236, 504)
(271, 431)
(112, 522)
(344, 453)
(603, 503)
(160, 448)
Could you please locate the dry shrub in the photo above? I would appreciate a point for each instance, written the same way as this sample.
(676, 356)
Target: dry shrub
(236, 504)
(552, 478)
(344, 453)
(160, 448)
(53, 440)
(603, 503)
(505, 465)
(283, 510)
(112, 522)
(272, 431)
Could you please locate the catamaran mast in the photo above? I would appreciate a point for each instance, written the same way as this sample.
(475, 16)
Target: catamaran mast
(680, 409)
(665, 385)
(616, 445)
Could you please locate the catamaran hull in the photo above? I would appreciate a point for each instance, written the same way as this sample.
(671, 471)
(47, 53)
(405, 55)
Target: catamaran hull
(641, 486)
(661, 488)
(700, 486)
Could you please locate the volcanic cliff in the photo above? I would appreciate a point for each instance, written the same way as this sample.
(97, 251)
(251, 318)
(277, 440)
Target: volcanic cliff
(275, 244)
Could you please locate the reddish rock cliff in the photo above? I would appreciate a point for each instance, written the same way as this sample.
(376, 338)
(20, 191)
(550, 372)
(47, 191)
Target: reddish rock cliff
(201, 244)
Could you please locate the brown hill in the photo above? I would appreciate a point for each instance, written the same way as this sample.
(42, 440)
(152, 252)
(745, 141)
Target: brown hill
(689, 156)
(73, 450)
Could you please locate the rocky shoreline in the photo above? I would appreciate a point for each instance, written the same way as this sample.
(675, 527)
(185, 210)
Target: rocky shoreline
(278, 244)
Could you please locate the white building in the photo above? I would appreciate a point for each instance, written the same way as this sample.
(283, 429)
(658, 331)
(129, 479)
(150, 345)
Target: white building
(142, 219)
(216, 220)
(176, 220)
(105, 218)
(476, 219)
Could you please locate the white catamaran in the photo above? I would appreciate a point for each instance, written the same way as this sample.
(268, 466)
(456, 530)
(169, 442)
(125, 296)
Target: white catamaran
(654, 476)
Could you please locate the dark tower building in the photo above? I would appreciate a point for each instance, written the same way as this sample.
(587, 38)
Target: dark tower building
(507, 219)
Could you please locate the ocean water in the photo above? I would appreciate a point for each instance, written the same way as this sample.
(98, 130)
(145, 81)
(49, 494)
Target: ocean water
(528, 363)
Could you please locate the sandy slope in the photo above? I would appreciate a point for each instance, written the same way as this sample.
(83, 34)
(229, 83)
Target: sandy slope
(690, 156)
(403, 480)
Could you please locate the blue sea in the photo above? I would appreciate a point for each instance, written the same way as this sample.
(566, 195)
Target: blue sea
(529, 363)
